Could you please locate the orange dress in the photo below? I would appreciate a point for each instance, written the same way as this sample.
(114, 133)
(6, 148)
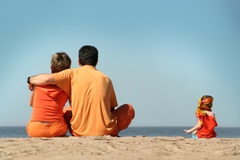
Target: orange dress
(207, 129)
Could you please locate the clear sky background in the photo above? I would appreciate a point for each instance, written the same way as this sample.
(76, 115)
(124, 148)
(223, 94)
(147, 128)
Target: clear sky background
(162, 55)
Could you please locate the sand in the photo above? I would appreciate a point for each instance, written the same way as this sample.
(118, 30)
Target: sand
(119, 148)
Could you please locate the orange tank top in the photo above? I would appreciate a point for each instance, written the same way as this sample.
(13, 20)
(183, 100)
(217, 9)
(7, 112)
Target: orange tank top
(48, 103)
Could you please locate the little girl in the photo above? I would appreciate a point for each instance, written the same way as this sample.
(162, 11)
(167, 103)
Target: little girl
(206, 121)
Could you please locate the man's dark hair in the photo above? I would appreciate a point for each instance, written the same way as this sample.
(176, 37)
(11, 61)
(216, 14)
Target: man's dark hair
(88, 55)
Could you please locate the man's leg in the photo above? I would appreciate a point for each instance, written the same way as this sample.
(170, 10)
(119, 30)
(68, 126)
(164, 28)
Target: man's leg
(125, 114)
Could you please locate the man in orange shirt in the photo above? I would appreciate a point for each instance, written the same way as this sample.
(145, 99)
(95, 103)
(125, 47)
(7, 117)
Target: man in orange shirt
(92, 97)
(47, 103)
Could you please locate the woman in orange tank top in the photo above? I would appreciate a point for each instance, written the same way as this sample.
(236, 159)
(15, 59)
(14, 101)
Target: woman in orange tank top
(47, 103)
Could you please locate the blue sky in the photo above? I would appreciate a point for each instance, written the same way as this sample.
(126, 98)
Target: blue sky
(162, 55)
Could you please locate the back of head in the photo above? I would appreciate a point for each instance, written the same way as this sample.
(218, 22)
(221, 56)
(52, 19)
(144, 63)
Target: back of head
(88, 55)
(60, 61)
(205, 101)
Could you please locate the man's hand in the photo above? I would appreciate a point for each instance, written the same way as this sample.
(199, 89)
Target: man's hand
(39, 80)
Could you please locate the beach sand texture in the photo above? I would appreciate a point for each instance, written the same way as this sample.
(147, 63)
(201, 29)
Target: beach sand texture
(119, 148)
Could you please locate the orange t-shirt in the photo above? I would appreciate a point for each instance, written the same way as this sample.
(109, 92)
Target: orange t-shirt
(208, 125)
(91, 97)
(48, 102)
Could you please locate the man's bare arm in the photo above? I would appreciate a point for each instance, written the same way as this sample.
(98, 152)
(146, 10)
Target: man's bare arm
(41, 79)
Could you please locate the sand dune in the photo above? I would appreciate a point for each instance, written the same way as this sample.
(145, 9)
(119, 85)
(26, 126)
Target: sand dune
(119, 148)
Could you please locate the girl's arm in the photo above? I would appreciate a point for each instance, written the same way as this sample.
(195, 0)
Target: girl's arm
(196, 127)
(210, 114)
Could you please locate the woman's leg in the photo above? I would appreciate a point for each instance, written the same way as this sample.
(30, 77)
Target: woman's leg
(67, 111)
(41, 129)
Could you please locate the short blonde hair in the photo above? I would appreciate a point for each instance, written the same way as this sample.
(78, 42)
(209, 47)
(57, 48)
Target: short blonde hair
(60, 61)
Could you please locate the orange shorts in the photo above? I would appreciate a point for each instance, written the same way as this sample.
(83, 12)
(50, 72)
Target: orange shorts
(125, 113)
(39, 129)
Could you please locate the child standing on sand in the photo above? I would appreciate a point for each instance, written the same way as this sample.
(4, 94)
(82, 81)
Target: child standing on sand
(47, 103)
(206, 121)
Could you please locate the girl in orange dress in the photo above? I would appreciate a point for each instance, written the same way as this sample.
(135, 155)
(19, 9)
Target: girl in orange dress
(206, 121)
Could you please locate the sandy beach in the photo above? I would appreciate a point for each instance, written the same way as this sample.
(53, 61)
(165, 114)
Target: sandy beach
(118, 148)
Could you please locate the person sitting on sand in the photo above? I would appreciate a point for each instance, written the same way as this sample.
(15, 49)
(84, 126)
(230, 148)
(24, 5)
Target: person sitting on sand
(92, 97)
(47, 103)
(206, 121)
